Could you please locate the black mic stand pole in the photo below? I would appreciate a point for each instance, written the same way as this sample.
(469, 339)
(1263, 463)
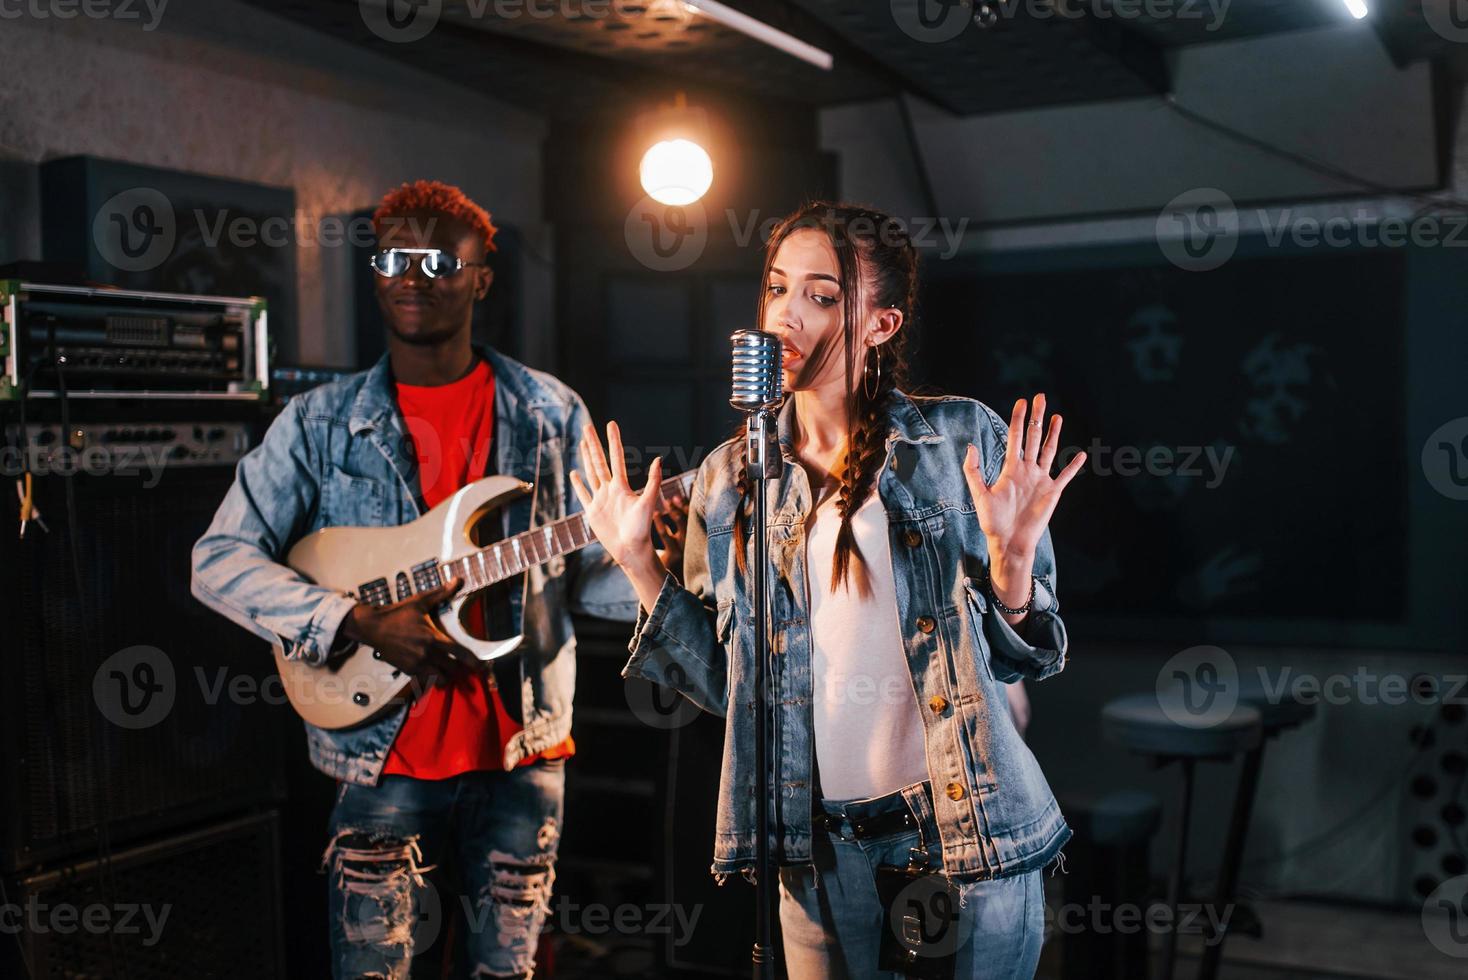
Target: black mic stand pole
(763, 458)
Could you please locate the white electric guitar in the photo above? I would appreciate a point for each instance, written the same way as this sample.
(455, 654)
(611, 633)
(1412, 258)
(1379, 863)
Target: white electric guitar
(383, 565)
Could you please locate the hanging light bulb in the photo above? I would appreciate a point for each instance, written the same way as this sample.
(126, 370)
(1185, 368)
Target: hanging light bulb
(676, 169)
(676, 172)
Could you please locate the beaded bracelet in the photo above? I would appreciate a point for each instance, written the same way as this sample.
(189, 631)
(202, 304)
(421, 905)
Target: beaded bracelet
(1007, 610)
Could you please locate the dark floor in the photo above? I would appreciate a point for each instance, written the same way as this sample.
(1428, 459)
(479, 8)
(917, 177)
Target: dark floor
(1313, 939)
(1302, 939)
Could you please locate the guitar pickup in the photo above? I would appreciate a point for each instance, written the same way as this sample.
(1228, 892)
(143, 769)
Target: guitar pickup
(375, 593)
(426, 576)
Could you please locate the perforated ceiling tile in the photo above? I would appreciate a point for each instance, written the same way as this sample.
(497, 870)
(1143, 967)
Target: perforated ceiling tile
(667, 36)
(571, 57)
(1204, 21)
(538, 51)
(1019, 61)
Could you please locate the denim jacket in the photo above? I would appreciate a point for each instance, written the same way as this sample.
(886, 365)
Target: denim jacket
(340, 455)
(996, 815)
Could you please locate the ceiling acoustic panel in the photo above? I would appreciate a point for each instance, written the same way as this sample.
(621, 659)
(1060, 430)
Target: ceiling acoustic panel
(573, 58)
(1023, 59)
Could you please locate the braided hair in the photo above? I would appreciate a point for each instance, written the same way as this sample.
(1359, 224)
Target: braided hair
(878, 269)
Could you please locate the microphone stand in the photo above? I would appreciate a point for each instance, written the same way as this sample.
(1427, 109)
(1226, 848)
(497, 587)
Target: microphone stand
(763, 457)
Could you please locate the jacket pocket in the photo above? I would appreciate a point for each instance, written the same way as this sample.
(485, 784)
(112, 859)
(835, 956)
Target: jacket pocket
(724, 622)
(351, 500)
(724, 633)
(978, 606)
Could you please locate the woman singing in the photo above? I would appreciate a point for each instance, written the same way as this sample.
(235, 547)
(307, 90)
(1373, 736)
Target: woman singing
(911, 577)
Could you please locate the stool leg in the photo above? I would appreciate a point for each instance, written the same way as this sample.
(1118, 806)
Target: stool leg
(1233, 853)
(1176, 876)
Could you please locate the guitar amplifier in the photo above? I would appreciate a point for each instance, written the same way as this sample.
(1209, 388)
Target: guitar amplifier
(128, 708)
(203, 903)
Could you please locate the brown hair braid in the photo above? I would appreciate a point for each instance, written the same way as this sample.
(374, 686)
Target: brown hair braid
(878, 267)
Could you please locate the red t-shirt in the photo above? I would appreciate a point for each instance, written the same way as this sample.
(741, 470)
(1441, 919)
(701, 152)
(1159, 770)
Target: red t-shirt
(463, 726)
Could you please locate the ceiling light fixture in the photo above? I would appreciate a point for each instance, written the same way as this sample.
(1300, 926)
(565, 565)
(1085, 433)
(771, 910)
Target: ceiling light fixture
(675, 170)
(762, 32)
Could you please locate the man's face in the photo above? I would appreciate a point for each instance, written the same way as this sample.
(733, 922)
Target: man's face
(423, 310)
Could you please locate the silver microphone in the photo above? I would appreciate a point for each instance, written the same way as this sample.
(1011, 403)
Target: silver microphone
(758, 379)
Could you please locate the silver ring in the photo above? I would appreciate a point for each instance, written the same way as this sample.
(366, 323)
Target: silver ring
(1035, 423)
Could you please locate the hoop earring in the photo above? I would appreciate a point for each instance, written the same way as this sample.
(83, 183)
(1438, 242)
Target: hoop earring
(866, 375)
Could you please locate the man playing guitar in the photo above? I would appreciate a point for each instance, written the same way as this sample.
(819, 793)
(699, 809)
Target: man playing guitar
(471, 770)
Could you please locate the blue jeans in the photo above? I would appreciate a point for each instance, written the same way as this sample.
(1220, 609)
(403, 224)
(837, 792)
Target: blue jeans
(500, 829)
(832, 918)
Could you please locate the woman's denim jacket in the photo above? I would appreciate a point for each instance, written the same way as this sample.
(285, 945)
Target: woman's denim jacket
(995, 813)
(339, 455)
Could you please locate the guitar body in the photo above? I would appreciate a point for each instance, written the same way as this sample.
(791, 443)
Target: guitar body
(352, 689)
(383, 565)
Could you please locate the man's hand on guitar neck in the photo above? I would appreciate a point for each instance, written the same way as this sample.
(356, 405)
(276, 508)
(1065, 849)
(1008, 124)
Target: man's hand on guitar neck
(407, 637)
(672, 527)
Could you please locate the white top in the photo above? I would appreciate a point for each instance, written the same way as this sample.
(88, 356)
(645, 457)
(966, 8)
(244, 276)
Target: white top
(868, 729)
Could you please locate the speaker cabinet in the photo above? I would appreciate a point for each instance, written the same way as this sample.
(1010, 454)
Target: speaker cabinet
(199, 904)
(128, 708)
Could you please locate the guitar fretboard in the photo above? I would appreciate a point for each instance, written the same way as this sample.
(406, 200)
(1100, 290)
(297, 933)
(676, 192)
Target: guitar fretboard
(537, 546)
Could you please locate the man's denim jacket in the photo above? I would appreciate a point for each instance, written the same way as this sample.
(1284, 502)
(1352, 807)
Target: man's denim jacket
(995, 813)
(340, 455)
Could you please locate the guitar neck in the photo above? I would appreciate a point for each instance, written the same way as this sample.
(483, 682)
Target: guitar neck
(525, 550)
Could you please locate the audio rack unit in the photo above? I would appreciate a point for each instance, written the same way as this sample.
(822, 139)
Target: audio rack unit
(119, 446)
(115, 343)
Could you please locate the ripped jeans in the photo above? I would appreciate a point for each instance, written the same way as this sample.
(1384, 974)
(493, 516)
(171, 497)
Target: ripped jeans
(831, 917)
(499, 828)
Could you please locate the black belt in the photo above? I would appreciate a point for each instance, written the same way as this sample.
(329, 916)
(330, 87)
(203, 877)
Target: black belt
(882, 825)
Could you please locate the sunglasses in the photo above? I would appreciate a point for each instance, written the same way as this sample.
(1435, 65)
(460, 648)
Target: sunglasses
(390, 263)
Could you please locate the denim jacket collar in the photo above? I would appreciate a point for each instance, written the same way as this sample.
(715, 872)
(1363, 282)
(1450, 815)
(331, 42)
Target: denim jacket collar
(375, 402)
(904, 423)
(518, 401)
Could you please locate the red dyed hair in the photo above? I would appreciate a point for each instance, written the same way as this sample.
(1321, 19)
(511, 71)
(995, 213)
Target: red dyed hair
(433, 195)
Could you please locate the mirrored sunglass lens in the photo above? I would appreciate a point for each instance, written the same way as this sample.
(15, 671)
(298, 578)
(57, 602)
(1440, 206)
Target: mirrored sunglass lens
(390, 263)
(437, 263)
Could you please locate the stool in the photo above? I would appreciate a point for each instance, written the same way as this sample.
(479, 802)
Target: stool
(1108, 861)
(1138, 723)
(1275, 717)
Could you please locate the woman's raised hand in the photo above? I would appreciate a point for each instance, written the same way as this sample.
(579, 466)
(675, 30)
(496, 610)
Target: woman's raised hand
(620, 517)
(1015, 511)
